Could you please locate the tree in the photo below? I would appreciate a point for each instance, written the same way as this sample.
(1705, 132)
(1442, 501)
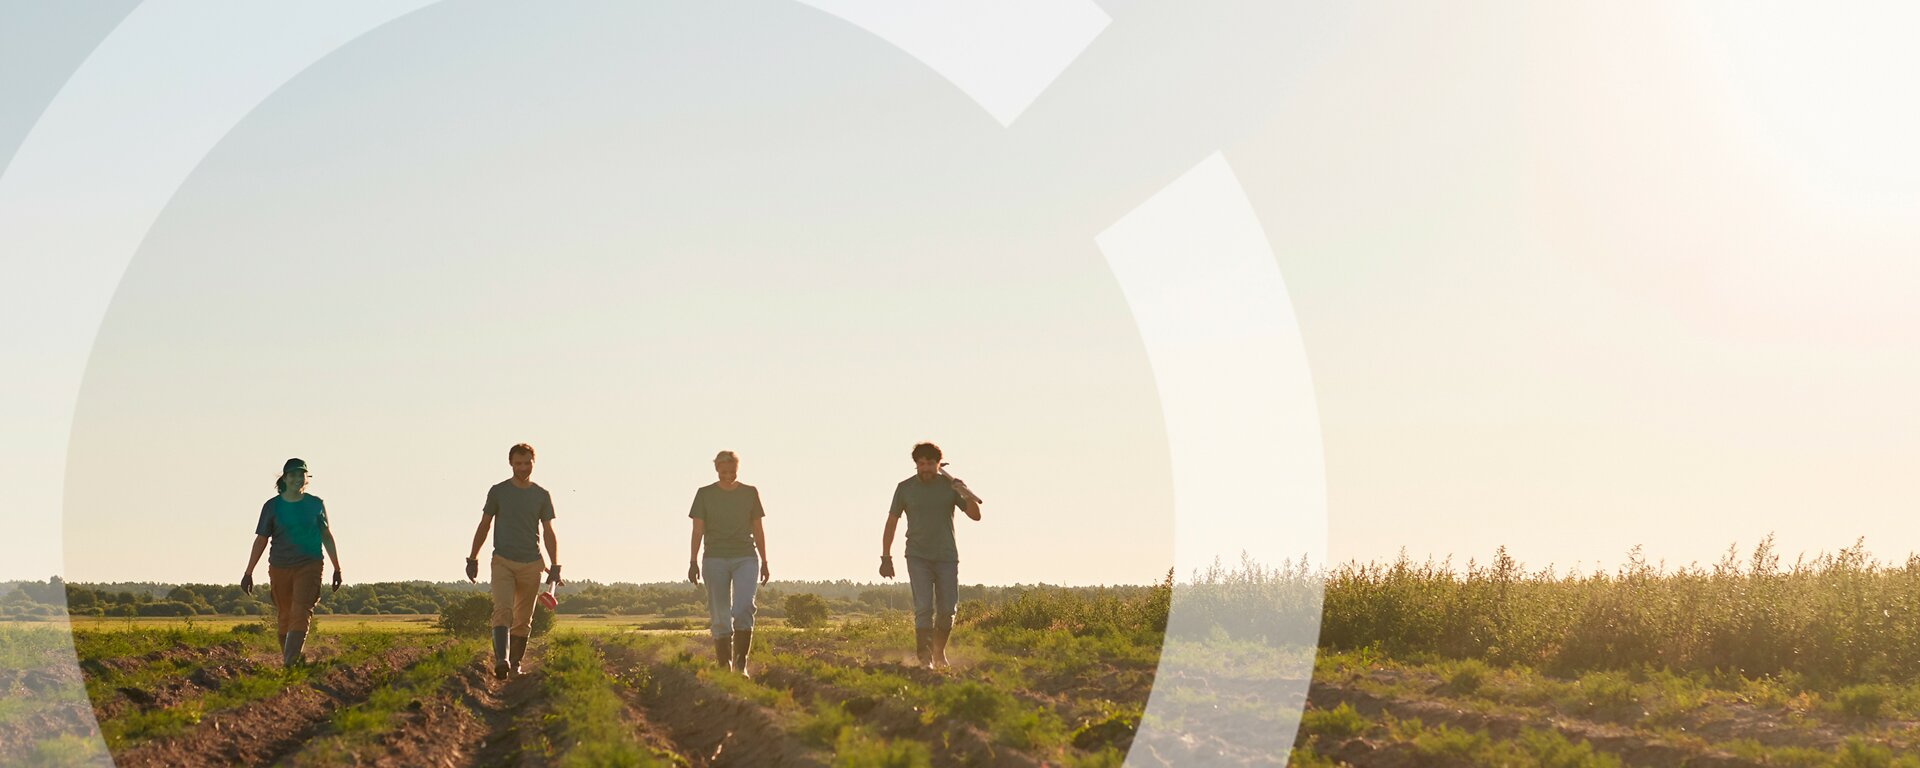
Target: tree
(805, 610)
(473, 617)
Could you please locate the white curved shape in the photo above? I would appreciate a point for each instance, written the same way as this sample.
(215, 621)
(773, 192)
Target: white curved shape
(1003, 53)
(1232, 371)
(91, 178)
(85, 186)
(1243, 434)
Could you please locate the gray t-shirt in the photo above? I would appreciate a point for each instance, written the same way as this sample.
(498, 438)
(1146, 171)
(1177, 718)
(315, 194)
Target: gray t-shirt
(517, 513)
(929, 509)
(298, 529)
(729, 516)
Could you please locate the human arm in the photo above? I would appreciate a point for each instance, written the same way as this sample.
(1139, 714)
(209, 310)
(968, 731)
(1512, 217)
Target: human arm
(760, 541)
(886, 546)
(968, 502)
(479, 540)
(333, 553)
(553, 550)
(253, 559)
(693, 550)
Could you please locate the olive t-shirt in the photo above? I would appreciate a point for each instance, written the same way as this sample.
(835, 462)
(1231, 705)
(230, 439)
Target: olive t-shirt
(729, 516)
(297, 528)
(517, 513)
(929, 509)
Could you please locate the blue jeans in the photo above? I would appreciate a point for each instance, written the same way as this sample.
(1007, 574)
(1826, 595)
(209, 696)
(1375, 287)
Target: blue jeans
(936, 592)
(739, 575)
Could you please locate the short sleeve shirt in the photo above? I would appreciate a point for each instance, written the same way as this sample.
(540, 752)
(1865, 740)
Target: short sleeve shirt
(729, 516)
(297, 528)
(929, 509)
(517, 513)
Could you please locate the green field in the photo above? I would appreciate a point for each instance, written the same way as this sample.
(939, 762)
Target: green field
(1746, 662)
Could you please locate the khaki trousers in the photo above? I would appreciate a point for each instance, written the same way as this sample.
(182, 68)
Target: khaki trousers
(295, 590)
(516, 586)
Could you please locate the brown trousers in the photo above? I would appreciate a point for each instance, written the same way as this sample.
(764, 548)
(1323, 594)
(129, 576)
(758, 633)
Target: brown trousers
(295, 591)
(516, 586)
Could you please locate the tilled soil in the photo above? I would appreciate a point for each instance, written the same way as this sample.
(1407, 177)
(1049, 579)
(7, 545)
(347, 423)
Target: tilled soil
(705, 725)
(263, 731)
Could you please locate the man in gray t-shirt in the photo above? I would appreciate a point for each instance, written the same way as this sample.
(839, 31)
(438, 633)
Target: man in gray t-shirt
(928, 499)
(518, 511)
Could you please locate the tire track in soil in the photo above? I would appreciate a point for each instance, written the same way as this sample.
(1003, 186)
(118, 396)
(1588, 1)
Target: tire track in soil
(1633, 748)
(262, 731)
(708, 727)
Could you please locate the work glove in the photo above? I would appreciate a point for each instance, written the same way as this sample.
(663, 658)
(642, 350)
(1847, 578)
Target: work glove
(336, 579)
(246, 583)
(473, 569)
(886, 566)
(693, 571)
(553, 574)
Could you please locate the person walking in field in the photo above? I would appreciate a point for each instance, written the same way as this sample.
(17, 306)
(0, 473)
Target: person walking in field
(727, 516)
(928, 499)
(295, 524)
(520, 513)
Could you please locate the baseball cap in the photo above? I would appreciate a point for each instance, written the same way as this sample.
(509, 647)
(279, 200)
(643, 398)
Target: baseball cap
(293, 464)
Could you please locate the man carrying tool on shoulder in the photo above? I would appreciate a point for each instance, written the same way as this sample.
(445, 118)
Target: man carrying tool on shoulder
(928, 499)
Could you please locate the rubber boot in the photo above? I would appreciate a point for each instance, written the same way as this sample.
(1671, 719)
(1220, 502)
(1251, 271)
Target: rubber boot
(723, 651)
(517, 649)
(742, 644)
(923, 645)
(290, 655)
(940, 635)
(500, 653)
(283, 644)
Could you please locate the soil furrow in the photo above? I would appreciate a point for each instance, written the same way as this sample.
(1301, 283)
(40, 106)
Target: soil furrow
(707, 726)
(262, 731)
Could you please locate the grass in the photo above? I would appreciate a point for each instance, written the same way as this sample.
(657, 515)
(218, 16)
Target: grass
(586, 715)
(1341, 722)
(363, 723)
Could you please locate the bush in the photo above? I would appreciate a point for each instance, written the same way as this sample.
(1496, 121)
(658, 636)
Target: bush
(805, 610)
(472, 616)
(1341, 722)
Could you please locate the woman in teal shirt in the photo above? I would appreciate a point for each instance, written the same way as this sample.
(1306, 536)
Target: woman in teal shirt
(295, 524)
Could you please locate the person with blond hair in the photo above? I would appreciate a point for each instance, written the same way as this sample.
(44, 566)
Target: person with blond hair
(727, 517)
(520, 514)
(295, 524)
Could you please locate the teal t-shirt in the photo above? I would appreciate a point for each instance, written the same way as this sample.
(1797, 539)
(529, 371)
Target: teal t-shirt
(729, 516)
(517, 513)
(929, 509)
(297, 528)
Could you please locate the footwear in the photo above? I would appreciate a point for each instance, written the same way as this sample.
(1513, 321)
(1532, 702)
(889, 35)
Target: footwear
(923, 645)
(517, 649)
(500, 669)
(742, 643)
(290, 655)
(940, 635)
(723, 651)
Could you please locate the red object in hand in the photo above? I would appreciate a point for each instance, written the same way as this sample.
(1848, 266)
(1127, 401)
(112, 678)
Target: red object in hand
(547, 599)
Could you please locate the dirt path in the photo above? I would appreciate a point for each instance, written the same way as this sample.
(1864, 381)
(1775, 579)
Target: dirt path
(262, 731)
(705, 725)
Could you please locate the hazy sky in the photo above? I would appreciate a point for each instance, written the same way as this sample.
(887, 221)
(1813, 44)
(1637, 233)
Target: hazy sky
(1568, 279)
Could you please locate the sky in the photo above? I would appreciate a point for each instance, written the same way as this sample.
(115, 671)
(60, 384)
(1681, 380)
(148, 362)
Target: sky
(1568, 280)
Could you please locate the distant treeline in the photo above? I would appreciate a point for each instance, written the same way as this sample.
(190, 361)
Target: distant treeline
(52, 597)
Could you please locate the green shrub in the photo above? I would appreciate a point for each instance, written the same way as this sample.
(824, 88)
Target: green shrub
(1341, 722)
(805, 610)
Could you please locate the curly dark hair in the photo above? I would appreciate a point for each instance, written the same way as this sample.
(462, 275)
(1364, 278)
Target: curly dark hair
(926, 451)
